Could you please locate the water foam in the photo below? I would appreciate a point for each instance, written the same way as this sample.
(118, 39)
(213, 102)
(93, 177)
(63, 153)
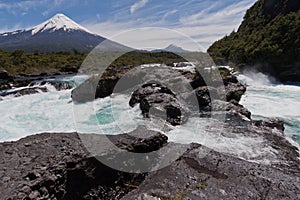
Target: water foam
(268, 100)
(54, 111)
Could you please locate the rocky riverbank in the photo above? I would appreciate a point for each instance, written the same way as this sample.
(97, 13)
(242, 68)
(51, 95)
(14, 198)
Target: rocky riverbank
(26, 85)
(35, 82)
(58, 166)
(67, 166)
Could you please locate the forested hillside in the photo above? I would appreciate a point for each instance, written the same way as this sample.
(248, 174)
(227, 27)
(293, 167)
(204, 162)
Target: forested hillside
(268, 39)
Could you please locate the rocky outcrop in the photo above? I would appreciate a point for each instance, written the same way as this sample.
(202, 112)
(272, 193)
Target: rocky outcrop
(256, 161)
(4, 75)
(64, 166)
(159, 101)
(58, 166)
(20, 87)
(126, 79)
(216, 176)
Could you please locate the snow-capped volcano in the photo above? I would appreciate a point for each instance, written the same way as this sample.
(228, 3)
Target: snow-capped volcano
(172, 48)
(57, 22)
(59, 33)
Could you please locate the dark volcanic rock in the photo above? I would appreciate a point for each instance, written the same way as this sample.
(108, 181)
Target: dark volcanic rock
(197, 80)
(247, 160)
(159, 101)
(58, 166)
(201, 98)
(234, 91)
(217, 176)
(59, 85)
(153, 141)
(230, 109)
(4, 75)
(123, 79)
(20, 87)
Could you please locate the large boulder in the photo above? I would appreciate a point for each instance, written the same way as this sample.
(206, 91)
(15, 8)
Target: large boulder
(234, 91)
(4, 75)
(159, 101)
(66, 170)
(59, 166)
(200, 99)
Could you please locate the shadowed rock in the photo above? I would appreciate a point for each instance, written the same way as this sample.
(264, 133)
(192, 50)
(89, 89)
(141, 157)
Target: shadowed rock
(159, 101)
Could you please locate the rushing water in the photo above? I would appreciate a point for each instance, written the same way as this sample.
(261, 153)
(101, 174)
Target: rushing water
(266, 99)
(54, 111)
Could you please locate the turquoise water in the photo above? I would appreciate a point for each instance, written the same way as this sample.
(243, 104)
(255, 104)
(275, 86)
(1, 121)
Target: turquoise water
(277, 101)
(54, 111)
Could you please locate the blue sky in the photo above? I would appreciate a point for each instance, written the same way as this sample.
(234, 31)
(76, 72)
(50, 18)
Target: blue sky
(204, 21)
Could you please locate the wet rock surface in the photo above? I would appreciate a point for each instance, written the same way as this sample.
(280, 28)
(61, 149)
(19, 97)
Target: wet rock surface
(20, 87)
(157, 100)
(127, 79)
(25, 84)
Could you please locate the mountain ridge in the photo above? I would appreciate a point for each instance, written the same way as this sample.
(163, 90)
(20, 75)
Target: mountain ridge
(57, 34)
(171, 48)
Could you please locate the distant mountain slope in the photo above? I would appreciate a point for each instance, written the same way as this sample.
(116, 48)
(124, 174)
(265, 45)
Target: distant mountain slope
(59, 33)
(172, 48)
(268, 39)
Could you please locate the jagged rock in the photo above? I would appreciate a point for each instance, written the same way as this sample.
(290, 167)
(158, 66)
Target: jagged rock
(234, 91)
(230, 110)
(121, 80)
(229, 79)
(159, 101)
(58, 85)
(200, 98)
(196, 80)
(31, 87)
(270, 123)
(217, 176)
(93, 88)
(63, 169)
(4, 75)
(151, 141)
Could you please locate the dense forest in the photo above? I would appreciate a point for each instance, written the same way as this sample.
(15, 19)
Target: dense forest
(19, 62)
(268, 39)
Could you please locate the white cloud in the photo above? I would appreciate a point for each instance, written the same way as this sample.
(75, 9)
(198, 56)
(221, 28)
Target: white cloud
(23, 5)
(169, 13)
(231, 14)
(138, 5)
(204, 27)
